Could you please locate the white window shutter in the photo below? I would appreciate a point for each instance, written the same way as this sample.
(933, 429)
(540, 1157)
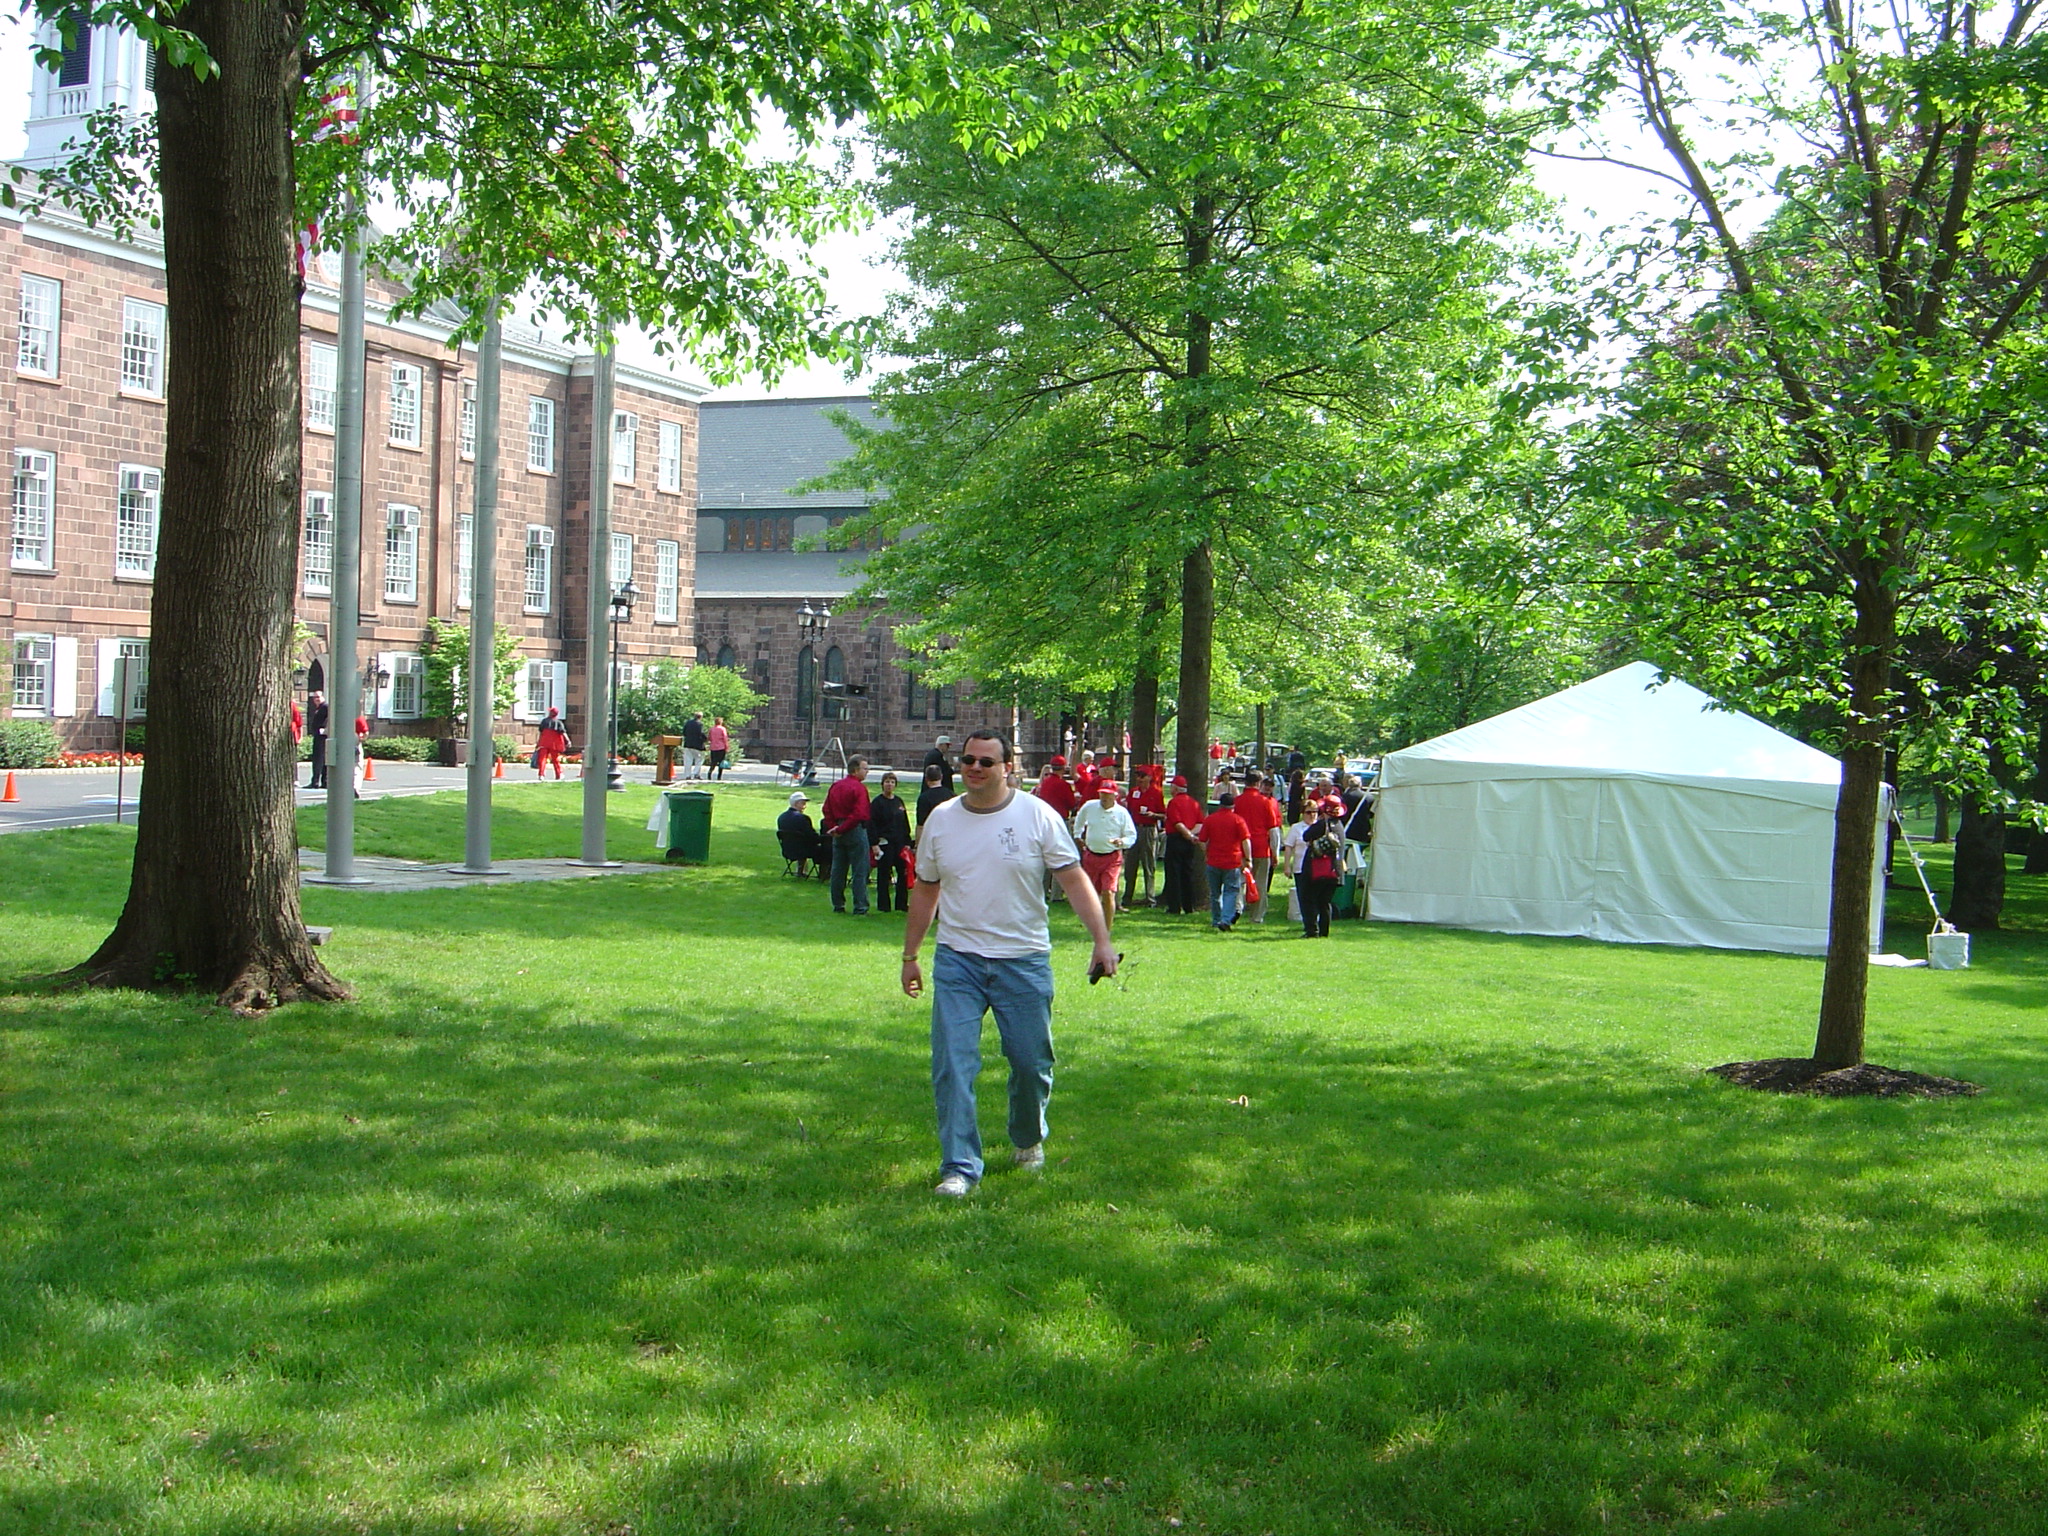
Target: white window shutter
(64, 676)
(109, 655)
(558, 685)
(387, 662)
(520, 710)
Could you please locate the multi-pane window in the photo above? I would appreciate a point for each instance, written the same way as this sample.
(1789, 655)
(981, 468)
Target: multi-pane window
(668, 465)
(138, 495)
(727, 658)
(540, 689)
(142, 347)
(465, 421)
(622, 560)
(945, 701)
(408, 683)
(836, 707)
(34, 662)
(323, 393)
(35, 501)
(625, 438)
(667, 572)
(131, 665)
(42, 307)
(465, 559)
(405, 405)
(319, 543)
(917, 702)
(540, 569)
(540, 433)
(402, 554)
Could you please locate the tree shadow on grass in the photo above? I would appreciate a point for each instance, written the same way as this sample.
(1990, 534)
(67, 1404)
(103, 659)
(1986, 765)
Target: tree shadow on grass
(1400, 1287)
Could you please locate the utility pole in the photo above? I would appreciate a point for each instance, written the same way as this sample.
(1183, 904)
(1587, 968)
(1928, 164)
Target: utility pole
(597, 686)
(483, 598)
(345, 607)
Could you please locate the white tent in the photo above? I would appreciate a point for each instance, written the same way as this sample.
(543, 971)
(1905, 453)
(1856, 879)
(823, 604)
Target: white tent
(1620, 809)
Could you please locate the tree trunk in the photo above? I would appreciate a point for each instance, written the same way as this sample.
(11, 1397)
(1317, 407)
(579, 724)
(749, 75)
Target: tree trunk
(2036, 841)
(1144, 715)
(1838, 1041)
(1197, 641)
(213, 900)
(1940, 815)
(1978, 894)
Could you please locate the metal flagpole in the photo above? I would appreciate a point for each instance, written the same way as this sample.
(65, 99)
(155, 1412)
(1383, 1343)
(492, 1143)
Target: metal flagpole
(483, 601)
(597, 686)
(344, 679)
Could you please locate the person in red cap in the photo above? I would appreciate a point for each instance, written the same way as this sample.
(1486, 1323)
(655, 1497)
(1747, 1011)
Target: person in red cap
(1183, 849)
(1229, 844)
(1056, 791)
(1147, 805)
(1106, 832)
(1261, 814)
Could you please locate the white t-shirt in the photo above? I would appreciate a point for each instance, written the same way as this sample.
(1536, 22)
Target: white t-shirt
(1294, 849)
(1095, 828)
(990, 867)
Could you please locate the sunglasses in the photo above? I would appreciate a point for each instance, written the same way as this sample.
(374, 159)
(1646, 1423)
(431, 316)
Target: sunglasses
(980, 762)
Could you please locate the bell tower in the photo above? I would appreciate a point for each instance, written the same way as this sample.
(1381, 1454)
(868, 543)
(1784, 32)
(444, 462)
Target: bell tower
(103, 67)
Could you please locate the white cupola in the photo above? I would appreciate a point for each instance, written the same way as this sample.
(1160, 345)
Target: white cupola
(104, 67)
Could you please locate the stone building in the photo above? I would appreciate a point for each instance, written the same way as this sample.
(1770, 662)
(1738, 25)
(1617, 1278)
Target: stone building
(753, 583)
(83, 334)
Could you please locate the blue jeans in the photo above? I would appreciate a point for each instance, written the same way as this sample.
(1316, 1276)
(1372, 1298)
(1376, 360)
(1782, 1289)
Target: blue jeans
(1019, 991)
(1226, 886)
(850, 851)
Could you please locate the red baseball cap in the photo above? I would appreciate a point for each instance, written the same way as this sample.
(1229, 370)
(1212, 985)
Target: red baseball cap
(1180, 781)
(1058, 762)
(1106, 786)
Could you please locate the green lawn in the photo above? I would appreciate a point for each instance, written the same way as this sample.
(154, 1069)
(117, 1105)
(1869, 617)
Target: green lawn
(606, 1209)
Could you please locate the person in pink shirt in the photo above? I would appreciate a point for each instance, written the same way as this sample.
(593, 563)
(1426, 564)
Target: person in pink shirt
(719, 740)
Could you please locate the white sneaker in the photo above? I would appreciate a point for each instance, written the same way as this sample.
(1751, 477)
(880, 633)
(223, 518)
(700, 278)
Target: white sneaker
(954, 1185)
(1032, 1158)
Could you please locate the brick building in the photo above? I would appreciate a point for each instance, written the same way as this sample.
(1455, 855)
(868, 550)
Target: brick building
(752, 582)
(83, 333)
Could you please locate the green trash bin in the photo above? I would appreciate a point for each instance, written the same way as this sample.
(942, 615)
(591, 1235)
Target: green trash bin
(689, 826)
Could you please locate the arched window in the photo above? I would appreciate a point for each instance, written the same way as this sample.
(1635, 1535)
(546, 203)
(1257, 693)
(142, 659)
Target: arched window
(806, 684)
(835, 672)
(726, 658)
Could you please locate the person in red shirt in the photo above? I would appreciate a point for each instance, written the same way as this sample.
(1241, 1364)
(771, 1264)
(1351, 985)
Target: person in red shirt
(1056, 791)
(1183, 849)
(1229, 844)
(1261, 813)
(1086, 778)
(845, 821)
(1148, 809)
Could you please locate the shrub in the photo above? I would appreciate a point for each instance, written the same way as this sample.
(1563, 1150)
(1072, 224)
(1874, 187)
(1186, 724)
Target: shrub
(27, 744)
(132, 741)
(635, 748)
(506, 749)
(401, 749)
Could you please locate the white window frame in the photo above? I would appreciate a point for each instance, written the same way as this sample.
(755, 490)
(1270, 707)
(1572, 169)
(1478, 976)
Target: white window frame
(401, 553)
(35, 510)
(668, 555)
(668, 463)
(138, 505)
(143, 327)
(407, 697)
(465, 559)
(540, 551)
(35, 676)
(317, 547)
(540, 434)
(38, 344)
(619, 567)
(323, 387)
(465, 419)
(544, 686)
(407, 405)
(111, 650)
(625, 447)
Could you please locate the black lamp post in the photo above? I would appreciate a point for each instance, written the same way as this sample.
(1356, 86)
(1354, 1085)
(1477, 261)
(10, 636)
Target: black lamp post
(812, 623)
(621, 613)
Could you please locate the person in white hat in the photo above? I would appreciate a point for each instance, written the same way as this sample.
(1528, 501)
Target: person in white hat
(799, 838)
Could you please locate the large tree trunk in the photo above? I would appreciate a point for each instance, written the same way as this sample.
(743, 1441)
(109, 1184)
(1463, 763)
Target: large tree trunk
(1838, 1041)
(1978, 895)
(1197, 650)
(213, 901)
(2036, 843)
(1940, 815)
(1144, 714)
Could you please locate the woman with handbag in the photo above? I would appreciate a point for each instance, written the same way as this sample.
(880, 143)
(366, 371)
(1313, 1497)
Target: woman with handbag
(1321, 870)
(554, 741)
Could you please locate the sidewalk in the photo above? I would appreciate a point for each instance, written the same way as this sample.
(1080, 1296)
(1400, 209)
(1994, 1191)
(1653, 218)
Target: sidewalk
(381, 874)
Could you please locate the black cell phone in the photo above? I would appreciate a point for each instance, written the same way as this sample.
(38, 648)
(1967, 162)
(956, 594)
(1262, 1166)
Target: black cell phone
(1096, 972)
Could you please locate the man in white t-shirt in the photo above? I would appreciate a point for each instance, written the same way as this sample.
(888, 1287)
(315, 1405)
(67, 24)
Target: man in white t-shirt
(986, 853)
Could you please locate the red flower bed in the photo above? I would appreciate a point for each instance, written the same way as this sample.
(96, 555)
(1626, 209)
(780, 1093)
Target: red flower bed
(98, 759)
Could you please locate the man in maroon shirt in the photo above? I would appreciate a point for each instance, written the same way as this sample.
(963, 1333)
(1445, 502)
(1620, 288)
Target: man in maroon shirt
(1057, 791)
(1183, 848)
(845, 820)
(1229, 842)
(1261, 814)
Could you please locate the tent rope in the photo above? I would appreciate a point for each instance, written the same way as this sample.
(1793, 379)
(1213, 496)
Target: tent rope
(1941, 924)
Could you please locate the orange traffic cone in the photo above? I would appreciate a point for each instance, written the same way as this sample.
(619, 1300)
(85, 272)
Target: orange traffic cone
(10, 794)
(369, 770)
(498, 768)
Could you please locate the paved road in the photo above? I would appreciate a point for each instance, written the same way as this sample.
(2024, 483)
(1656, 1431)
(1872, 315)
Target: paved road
(84, 799)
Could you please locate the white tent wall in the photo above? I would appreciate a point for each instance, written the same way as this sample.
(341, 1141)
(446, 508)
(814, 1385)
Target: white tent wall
(1623, 810)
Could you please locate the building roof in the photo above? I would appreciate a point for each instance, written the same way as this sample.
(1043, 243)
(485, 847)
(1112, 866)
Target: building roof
(776, 574)
(751, 453)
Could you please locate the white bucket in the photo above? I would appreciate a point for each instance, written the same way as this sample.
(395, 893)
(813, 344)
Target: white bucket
(1948, 951)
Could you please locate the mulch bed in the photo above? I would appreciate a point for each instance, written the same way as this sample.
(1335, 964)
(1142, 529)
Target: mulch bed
(1800, 1074)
